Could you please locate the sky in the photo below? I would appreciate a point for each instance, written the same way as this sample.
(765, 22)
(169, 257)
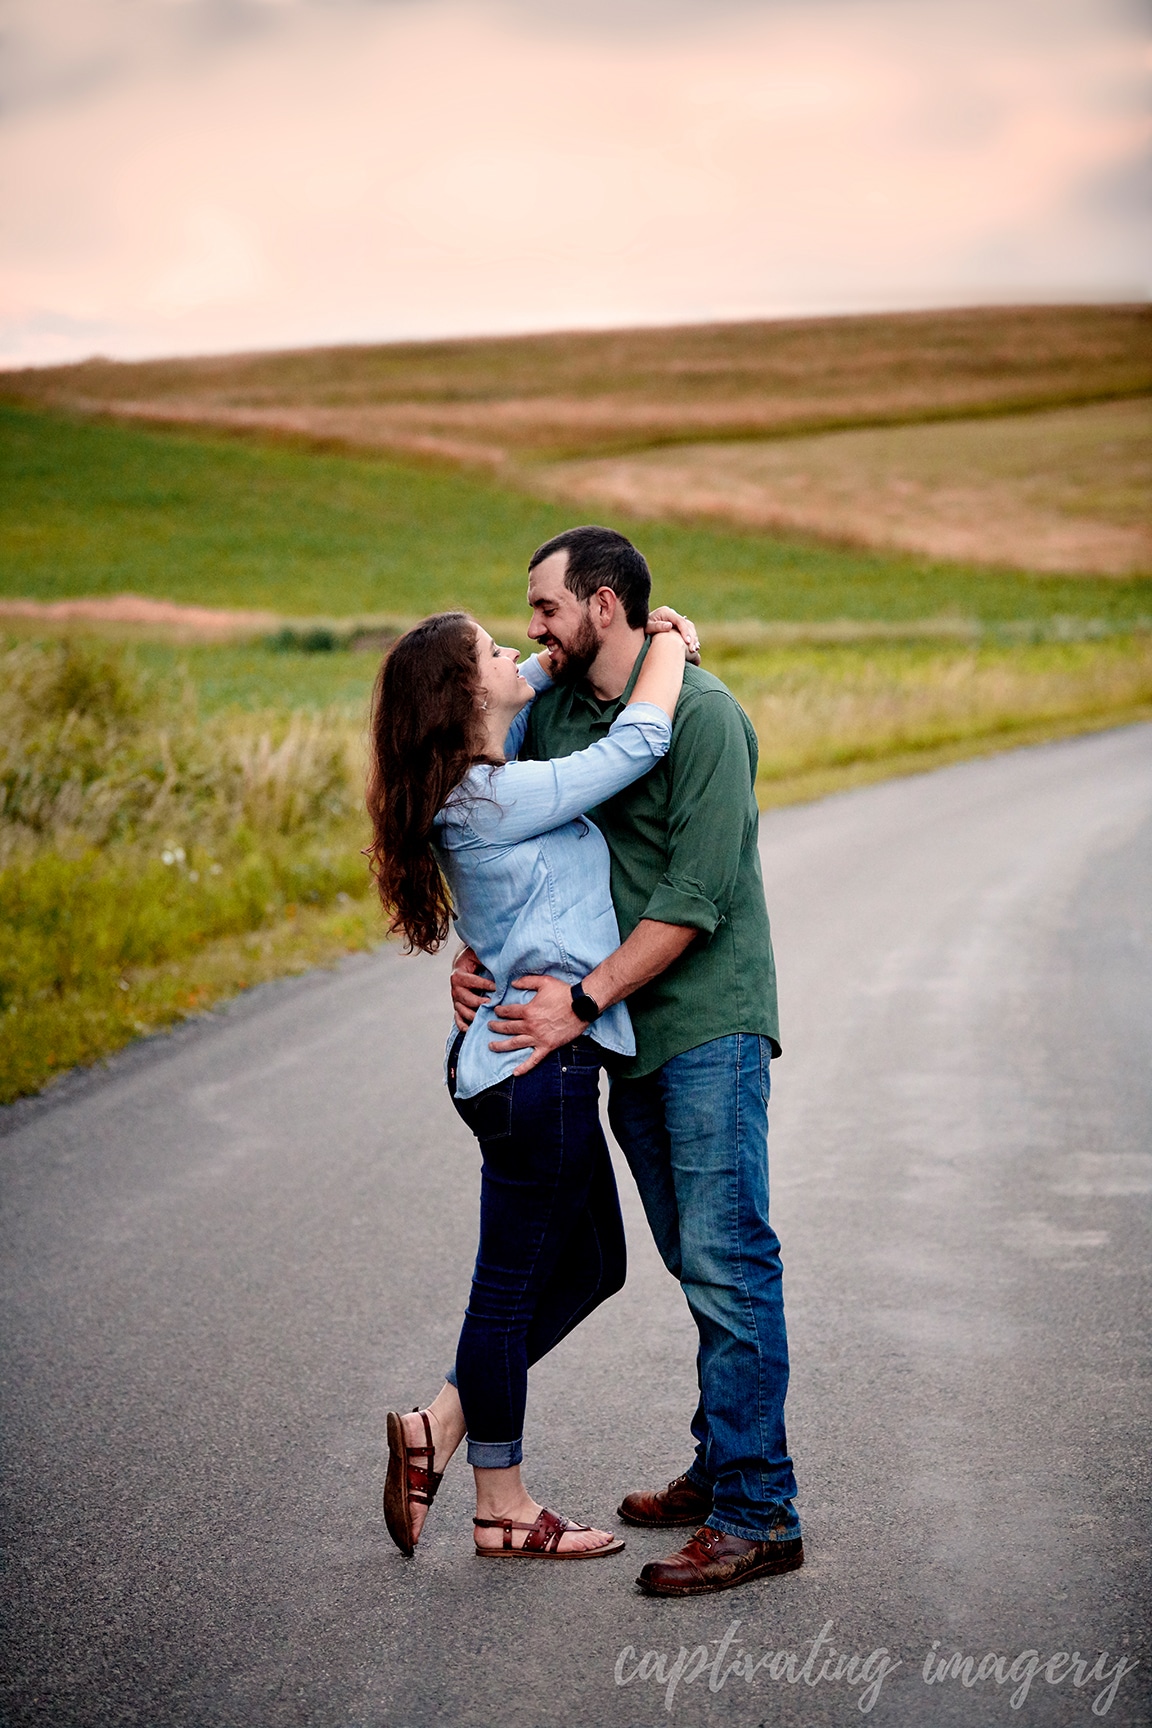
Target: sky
(200, 176)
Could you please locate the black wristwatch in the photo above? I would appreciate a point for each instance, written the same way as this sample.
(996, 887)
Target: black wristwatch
(583, 1005)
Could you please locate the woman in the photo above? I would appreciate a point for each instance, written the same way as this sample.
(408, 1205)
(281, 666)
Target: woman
(464, 833)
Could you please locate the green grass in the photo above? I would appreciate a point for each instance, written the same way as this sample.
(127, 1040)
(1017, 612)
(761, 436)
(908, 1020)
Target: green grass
(55, 1031)
(94, 509)
(137, 833)
(250, 677)
(102, 509)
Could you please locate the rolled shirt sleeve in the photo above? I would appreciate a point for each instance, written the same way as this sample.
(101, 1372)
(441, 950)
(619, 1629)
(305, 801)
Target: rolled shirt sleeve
(707, 816)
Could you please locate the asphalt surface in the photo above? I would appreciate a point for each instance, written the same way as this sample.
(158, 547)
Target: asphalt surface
(229, 1254)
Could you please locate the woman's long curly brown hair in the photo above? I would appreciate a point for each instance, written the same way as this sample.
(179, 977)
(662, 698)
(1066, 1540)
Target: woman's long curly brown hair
(426, 734)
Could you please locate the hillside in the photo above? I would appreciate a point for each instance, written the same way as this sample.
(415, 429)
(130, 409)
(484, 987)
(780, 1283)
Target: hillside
(517, 400)
(1059, 489)
(108, 509)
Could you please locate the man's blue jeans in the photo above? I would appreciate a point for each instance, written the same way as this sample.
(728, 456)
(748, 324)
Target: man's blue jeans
(695, 1134)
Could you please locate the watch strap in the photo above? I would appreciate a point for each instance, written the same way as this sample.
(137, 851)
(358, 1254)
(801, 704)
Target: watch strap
(583, 1005)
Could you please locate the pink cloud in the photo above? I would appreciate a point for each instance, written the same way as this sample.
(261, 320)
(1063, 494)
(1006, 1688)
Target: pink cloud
(448, 167)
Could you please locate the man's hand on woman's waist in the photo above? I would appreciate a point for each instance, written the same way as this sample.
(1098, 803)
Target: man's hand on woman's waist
(548, 1020)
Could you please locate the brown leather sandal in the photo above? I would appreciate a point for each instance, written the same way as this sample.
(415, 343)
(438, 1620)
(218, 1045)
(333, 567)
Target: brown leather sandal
(543, 1540)
(406, 1482)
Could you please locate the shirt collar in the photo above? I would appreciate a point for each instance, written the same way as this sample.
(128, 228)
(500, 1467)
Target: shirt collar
(640, 659)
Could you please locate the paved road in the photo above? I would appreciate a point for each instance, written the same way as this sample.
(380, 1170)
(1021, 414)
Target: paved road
(227, 1257)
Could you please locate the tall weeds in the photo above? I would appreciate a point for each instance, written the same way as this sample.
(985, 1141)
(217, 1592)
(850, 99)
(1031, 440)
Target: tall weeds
(91, 754)
(132, 832)
(817, 708)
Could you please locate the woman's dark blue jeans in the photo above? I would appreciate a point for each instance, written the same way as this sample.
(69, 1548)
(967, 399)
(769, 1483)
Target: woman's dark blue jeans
(551, 1237)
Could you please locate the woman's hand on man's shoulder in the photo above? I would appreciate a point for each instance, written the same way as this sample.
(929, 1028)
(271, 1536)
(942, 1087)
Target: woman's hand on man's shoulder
(664, 618)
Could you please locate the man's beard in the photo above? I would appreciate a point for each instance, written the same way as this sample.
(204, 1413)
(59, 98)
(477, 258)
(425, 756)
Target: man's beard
(579, 654)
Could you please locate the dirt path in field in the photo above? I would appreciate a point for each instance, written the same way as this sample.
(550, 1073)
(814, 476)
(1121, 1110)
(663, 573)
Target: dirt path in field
(134, 609)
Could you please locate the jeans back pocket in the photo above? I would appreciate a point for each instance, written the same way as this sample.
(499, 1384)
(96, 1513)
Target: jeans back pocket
(489, 1113)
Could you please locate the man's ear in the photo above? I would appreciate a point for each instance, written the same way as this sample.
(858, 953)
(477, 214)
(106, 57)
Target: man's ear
(604, 606)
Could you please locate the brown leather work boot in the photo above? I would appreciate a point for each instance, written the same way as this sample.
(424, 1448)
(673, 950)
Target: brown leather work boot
(713, 1560)
(682, 1503)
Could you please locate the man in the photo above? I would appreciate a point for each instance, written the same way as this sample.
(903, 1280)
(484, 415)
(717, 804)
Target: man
(690, 1110)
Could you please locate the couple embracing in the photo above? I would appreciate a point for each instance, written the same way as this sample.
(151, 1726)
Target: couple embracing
(603, 790)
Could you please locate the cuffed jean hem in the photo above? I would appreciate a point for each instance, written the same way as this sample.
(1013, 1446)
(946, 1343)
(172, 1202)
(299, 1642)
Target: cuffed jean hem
(783, 1525)
(491, 1454)
(495, 1454)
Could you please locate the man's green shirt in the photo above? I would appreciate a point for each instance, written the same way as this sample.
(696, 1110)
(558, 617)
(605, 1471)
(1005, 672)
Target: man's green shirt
(683, 842)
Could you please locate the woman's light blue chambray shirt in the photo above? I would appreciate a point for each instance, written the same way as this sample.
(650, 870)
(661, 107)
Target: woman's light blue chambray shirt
(530, 876)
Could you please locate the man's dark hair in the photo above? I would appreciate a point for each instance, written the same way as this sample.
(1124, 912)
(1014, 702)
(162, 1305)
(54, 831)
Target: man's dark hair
(601, 558)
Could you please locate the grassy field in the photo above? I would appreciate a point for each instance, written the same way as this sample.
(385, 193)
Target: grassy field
(838, 715)
(180, 821)
(235, 678)
(1068, 489)
(522, 399)
(140, 836)
(100, 509)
